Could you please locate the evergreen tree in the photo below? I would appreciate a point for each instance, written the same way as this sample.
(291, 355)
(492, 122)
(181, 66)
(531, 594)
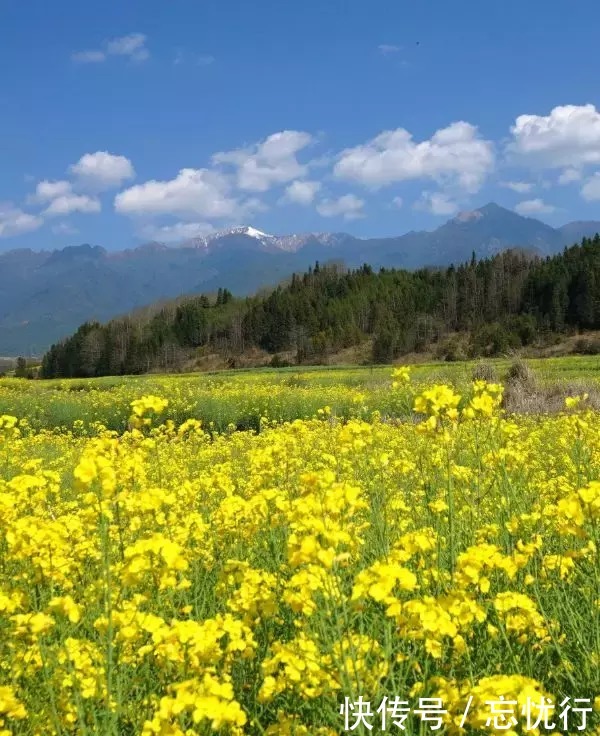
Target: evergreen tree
(21, 368)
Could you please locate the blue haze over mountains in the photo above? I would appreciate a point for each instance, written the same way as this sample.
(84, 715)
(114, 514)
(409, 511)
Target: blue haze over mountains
(46, 295)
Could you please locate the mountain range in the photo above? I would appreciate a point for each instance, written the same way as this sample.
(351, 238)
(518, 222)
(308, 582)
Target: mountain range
(46, 295)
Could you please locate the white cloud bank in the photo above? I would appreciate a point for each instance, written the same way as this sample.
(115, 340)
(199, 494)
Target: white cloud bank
(271, 162)
(13, 221)
(102, 170)
(534, 207)
(436, 203)
(568, 138)
(455, 155)
(348, 206)
(193, 192)
(301, 192)
(132, 46)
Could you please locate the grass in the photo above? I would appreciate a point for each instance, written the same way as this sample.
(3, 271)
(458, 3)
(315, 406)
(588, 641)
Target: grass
(241, 398)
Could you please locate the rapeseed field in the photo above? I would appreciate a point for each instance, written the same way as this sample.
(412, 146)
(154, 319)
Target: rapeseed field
(422, 562)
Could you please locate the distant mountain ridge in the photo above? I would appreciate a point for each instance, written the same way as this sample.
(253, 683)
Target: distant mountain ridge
(46, 295)
(272, 243)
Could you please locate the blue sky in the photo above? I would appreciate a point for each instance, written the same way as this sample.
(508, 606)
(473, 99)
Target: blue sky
(122, 122)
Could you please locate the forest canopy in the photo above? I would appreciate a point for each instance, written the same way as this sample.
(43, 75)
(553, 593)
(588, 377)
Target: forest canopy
(501, 302)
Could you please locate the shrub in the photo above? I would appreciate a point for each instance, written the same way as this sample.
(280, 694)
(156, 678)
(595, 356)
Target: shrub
(587, 346)
(484, 372)
(492, 339)
(520, 373)
(525, 326)
(452, 349)
(278, 362)
(385, 346)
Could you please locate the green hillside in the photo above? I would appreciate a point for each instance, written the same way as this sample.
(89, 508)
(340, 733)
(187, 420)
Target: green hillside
(481, 308)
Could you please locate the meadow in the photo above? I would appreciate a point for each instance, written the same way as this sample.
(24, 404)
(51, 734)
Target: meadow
(241, 398)
(306, 552)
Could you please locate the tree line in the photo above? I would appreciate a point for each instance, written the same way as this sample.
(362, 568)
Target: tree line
(488, 305)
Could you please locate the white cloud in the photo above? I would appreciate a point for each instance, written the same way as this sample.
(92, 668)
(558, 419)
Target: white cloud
(102, 170)
(569, 137)
(534, 207)
(132, 45)
(389, 48)
(89, 57)
(184, 57)
(64, 228)
(517, 186)
(569, 175)
(397, 202)
(195, 192)
(251, 206)
(268, 163)
(590, 191)
(204, 60)
(301, 192)
(68, 203)
(349, 206)
(61, 200)
(178, 231)
(453, 155)
(46, 191)
(13, 221)
(437, 203)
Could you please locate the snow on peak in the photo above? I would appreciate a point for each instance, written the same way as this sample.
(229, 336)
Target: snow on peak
(286, 243)
(248, 230)
(254, 233)
(205, 241)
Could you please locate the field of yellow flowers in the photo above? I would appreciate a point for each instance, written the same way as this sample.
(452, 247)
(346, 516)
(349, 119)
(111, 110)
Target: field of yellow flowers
(430, 567)
(244, 398)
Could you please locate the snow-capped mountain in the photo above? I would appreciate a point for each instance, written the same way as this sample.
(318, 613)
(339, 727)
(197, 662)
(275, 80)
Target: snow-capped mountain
(205, 241)
(47, 294)
(252, 237)
(293, 243)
